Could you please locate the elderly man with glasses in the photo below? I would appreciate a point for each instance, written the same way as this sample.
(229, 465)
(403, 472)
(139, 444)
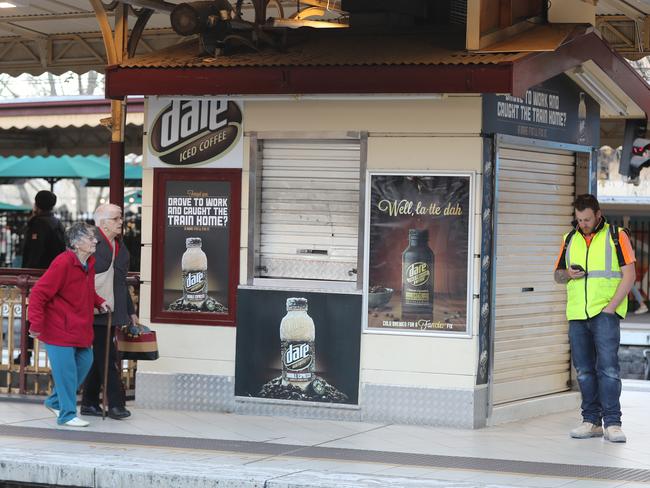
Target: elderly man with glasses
(112, 266)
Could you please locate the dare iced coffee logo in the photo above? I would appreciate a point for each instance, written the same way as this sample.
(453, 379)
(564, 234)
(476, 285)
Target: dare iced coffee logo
(297, 356)
(194, 131)
(194, 281)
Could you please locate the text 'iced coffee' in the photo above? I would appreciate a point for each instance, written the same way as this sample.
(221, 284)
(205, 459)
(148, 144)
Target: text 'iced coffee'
(297, 335)
(194, 265)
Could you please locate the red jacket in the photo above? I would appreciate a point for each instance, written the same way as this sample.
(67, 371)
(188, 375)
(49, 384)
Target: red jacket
(62, 301)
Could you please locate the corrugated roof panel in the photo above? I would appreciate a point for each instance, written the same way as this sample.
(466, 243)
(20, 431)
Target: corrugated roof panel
(642, 7)
(327, 50)
(50, 17)
(70, 120)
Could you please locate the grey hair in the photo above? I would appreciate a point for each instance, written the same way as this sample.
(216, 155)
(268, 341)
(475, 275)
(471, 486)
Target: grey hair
(102, 212)
(76, 232)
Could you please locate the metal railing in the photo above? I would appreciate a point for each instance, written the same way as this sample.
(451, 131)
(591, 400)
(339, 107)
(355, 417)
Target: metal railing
(20, 375)
(13, 225)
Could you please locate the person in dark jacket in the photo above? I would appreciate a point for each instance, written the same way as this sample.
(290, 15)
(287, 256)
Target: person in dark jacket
(61, 315)
(44, 235)
(43, 241)
(110, 250)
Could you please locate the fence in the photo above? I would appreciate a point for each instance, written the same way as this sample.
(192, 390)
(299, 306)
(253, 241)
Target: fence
(12, 230)
(25, 377)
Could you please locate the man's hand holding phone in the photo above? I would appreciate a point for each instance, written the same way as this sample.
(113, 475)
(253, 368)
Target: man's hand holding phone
(576, 271)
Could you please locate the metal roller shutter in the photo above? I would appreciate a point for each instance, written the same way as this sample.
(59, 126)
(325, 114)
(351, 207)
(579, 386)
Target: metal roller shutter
(531, 345)
(309, 217)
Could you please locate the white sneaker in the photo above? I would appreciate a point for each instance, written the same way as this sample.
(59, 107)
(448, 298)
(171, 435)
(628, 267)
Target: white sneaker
(642, 309)
(586, 430)
(613, 433)
(76, 422)
(53, 410)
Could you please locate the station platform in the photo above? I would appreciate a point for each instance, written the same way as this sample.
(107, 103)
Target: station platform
(164, 448)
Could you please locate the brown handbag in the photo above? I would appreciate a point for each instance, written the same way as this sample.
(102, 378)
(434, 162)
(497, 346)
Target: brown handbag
(143, 347)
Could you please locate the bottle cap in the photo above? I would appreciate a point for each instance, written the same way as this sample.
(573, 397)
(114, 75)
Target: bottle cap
(420, 235)
(296, 303)
(193, 242)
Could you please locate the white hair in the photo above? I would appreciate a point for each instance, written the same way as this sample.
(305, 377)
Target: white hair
(103, 211)
(76, 232)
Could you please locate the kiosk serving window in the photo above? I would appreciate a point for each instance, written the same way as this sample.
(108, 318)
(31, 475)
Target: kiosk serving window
(195, 245)
(307, 209)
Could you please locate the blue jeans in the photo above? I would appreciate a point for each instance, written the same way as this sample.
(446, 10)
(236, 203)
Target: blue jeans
(70, 365)
(594, 349)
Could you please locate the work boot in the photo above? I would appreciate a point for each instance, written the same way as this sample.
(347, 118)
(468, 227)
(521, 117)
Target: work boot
(614, 433)
(118, 413)
(586, 430)
(91, 410)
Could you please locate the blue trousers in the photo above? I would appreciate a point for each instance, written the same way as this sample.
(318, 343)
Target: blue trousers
(70, 365)
(594, 349)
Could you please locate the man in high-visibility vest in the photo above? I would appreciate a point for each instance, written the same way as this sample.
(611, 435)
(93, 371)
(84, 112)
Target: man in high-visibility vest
(597, 264)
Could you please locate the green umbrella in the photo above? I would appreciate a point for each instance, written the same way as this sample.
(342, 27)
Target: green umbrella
(94, 169)
(8, 207)
(132, 176)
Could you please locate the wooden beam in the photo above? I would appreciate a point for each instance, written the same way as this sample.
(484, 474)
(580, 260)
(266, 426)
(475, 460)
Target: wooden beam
(484, 78)
(492, 21)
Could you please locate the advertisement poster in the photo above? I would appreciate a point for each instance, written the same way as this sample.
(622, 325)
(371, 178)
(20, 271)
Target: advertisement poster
(556, 110)
(197, 227)
(194, 132)
(418, 260)
(294, 345)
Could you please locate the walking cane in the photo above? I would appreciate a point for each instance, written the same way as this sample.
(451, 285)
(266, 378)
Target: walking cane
(105, 383)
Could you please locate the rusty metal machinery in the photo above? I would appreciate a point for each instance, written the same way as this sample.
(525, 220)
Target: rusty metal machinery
(221, 28)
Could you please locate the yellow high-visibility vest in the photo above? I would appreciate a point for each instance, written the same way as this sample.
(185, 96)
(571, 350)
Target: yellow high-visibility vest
(586, 297)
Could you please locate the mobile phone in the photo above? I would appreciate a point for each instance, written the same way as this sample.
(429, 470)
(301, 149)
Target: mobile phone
(577, 267)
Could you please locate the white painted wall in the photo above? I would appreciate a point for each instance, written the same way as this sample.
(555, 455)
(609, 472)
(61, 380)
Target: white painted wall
(403, 135)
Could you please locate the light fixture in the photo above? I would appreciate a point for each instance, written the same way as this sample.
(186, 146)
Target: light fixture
(316, 24)
(599, 92)
(7, 5)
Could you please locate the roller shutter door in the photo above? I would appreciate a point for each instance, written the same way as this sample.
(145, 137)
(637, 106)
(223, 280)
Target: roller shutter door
(309, 217)
(531, 345)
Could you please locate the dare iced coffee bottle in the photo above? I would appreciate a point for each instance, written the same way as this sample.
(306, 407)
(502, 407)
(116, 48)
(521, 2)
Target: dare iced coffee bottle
(417, 274)
(582, 120)
(194, 265)
(297, 335)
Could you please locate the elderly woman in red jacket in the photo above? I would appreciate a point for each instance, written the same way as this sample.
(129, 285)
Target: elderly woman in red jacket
(61, 316)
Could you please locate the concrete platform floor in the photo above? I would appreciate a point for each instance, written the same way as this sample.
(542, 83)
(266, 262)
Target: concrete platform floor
(158, 448)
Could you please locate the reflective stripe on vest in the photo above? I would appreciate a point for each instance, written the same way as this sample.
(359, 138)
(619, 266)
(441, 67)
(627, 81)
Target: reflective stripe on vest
(586, 297)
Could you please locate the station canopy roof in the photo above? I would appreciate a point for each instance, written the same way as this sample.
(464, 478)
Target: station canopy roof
(58, 36)
(340, 62)
(63, 35)
(70, 111)
(60, 126)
